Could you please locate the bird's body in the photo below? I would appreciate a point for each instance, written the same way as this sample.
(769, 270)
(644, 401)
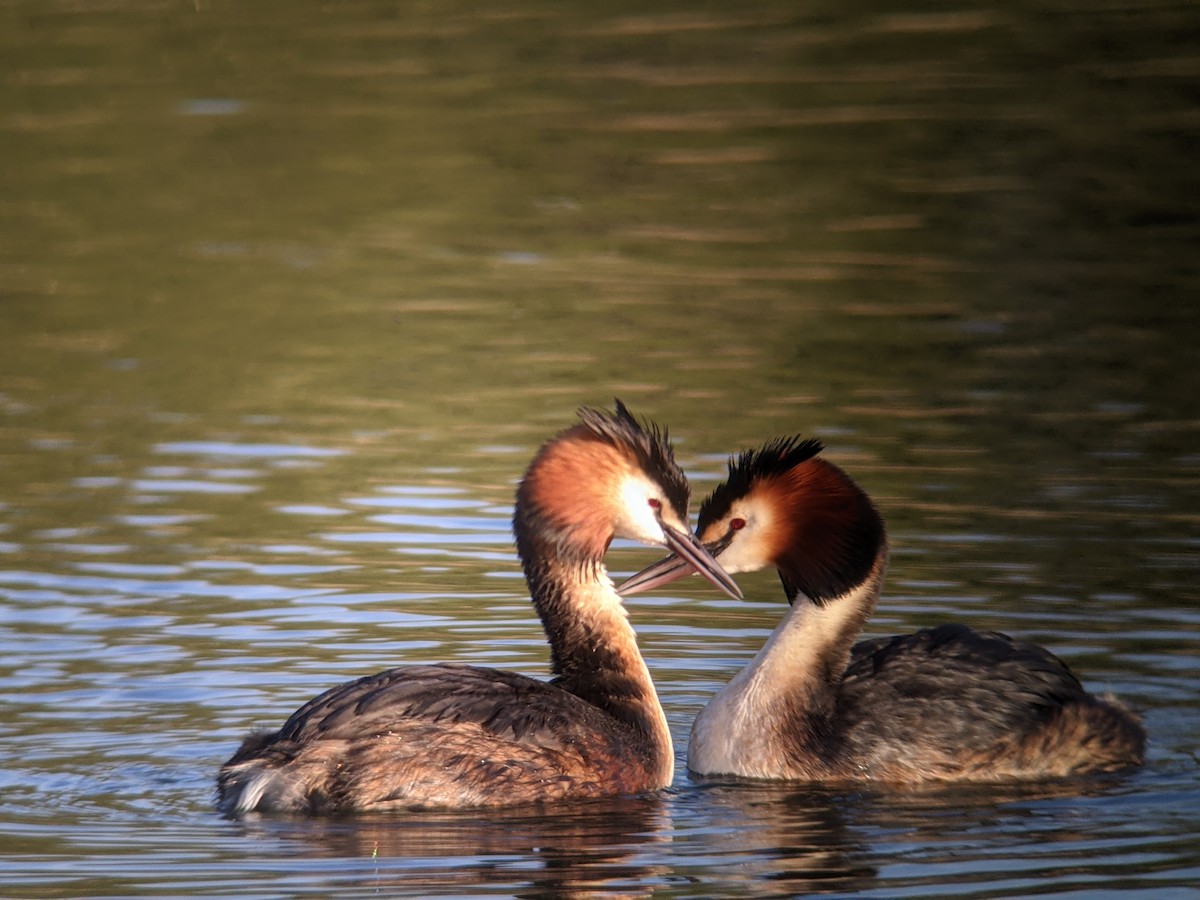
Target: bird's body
(442, 736)
(455, 736)
(945, 703)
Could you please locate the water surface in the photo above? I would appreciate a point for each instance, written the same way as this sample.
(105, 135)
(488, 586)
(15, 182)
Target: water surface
(291, 293)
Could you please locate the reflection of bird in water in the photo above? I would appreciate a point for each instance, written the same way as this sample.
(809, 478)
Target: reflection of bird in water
(946, 703)
(463, 736)
(610, 847)
(779, 839)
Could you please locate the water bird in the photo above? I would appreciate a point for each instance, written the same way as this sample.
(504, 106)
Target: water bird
(461, 736)
(947, 703)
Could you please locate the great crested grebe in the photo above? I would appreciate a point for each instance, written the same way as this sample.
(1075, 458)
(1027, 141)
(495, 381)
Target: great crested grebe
(457, 736)
(946, 703)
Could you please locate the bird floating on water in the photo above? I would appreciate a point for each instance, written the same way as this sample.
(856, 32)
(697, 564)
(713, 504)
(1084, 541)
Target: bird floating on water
(460, 736)
(945, 703)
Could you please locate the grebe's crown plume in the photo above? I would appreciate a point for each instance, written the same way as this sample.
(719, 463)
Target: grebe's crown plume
(649, 444)
(775, 459)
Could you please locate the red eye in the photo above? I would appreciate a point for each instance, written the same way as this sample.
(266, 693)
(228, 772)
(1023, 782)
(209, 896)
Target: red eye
(737, 524)
(655, 503)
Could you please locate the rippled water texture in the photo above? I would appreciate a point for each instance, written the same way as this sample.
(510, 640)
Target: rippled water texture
(290, 294)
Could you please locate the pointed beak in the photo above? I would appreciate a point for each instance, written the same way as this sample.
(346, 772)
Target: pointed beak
(688, 555)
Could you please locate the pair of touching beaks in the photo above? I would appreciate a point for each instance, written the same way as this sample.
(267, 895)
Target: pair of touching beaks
(688, 555)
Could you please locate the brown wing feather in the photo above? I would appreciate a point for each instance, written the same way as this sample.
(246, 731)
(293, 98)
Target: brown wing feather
(432, 736)
(960, 703)
(968, 685)
(500, 702)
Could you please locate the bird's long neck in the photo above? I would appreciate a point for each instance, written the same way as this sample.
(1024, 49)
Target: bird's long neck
(808, 651)
(832, 568)
(775, 714)
(593, 648)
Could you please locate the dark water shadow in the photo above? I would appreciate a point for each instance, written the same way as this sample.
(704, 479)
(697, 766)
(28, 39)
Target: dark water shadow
(580, 849)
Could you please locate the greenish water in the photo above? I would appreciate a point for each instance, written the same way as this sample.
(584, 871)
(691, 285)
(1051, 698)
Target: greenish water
(290, 293)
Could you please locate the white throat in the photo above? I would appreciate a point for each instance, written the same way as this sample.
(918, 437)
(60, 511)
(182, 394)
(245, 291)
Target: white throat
(749, 727)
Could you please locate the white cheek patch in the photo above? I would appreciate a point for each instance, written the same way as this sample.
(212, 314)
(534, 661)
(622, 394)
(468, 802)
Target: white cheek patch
(640, 520)
(746, 552)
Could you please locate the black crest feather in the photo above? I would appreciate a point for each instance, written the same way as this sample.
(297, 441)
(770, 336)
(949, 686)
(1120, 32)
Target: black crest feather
(776, 457)
(649, 444)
